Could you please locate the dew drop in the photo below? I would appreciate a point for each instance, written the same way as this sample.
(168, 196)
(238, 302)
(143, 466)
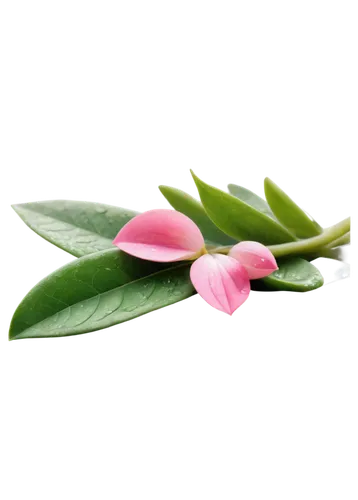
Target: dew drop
(176, 290)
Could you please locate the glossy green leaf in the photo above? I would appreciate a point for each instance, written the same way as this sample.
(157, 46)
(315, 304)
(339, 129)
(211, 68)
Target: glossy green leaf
(288, 213)
(186, 204)
(295, 275)
(238, 219)
(98, 291)
(250, 198)
(78, 227)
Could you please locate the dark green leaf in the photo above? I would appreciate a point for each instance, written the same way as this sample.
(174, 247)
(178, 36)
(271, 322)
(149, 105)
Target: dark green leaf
(288, 213)
(98, 291)
(250, 198)
(295, 275)
(238, 219)
(186, 204)
(78, 227)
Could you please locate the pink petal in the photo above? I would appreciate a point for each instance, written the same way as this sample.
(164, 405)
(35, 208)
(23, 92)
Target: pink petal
(255, 257)
(221, 280)
(161, 236)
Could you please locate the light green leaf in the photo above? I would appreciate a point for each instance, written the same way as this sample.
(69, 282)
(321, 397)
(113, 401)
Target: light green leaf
(288, 213)
(78, 227)
(98, 291)
(250, 198)
(189, 206)
(295, 275)
(238, 219)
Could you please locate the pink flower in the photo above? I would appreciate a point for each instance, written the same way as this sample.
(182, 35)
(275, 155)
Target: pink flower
(169, 236)
(255, 257)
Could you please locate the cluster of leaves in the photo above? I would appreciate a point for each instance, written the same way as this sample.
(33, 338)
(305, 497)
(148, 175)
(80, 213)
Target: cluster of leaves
(104, 286)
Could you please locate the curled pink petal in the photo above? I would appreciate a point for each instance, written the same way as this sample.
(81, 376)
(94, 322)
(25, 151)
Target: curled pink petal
(161, 236)
(255, 257)
(220, 280)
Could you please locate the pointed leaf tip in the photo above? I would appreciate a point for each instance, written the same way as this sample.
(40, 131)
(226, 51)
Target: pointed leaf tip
(221, 281)
(161, 236)
(255, 257)
(238, 219)
(289, 213)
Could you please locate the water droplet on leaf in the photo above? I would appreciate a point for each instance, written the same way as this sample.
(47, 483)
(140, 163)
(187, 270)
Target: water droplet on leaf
(176, 290)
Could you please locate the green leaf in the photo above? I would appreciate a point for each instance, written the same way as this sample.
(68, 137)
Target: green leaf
(78, 227)
(189, 206)
(250, 198)
(295, 275)
(290, 214)
(238, 219)
(98, 291)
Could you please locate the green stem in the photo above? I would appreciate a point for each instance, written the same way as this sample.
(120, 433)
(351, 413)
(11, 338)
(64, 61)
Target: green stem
(331, 237)
(311, 245)
(343, 240)
(223, 250)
